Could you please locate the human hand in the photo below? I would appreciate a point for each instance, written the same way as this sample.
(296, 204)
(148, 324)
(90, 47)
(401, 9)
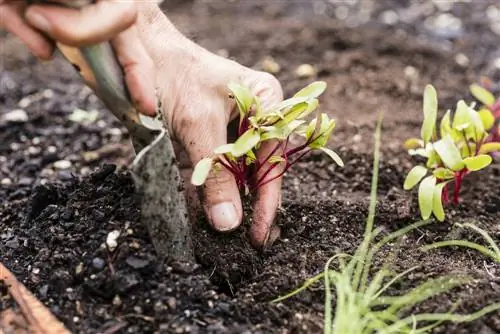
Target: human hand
(108, 20)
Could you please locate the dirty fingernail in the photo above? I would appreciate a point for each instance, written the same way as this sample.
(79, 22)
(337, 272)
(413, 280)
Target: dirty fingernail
(223, 216)
(38, 21)
(273, 235)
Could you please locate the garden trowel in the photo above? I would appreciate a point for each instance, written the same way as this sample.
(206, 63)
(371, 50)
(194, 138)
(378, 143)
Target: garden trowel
(155, 171)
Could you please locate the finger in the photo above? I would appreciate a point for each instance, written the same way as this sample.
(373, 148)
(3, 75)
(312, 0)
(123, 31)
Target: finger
(268, 197)
(138, 68)
(80, 27)
(219, 194)
(11, 20)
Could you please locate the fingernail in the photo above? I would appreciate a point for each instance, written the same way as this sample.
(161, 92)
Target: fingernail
(223, 216)
(272, 236)
(38, 21)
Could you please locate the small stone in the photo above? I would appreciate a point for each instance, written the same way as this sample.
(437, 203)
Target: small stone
(62, 164)
(172, 303)
(117, 301)
(43, 290)
(115, 132)
(79, 268)
(34, 150)
(159, 307)
(138, 309)
(98, 263)
(36, 141)
(305, 71)
(35, 271)
(6, 182)
(14, 243)
(16, 116)
(112, 240)
(270, 65)
(48, 93)
(136, 262)
(462, 60)
(25, 181)
(389, 17)
(51, 149)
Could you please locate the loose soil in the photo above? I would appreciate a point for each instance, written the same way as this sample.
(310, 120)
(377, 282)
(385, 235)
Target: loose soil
(53, 222)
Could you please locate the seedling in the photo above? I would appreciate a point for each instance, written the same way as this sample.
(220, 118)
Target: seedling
(489, 112)
(460, 147)
(363, 306)
(277, 124)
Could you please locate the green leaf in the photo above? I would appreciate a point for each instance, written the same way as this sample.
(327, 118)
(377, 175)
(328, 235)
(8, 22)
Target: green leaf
(487, 118)
(313, 90)
(223, 149)
(276, 159)
(425, 196)
(478, 162)
(443, 173)
(325, 129)
(246, 142)
(413, 143)
(243, 96)
(433, 158)
(489, 147)
(430, 113)
(461, 120)
(445, 126)
(449, 153)
(478, 131)
(437, 203)
(414, 176)
(482, 95)
(201, 171)
(333, 155)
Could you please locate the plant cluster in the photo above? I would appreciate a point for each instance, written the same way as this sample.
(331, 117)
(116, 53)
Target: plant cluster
(276, 125)
(462, 144)
(363, 304)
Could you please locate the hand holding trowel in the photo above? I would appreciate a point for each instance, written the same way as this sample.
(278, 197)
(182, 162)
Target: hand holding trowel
(156, 174)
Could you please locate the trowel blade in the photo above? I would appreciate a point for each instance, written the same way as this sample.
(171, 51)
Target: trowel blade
(163, 203)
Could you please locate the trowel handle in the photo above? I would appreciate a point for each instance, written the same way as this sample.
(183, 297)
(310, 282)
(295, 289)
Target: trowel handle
(100, 69)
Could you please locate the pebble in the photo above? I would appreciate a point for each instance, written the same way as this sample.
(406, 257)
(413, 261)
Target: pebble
(98, 263)
(6, 182)
(111, 240)
(462, 60)
(389, 17)
(79, 268)
(117, 301)
(14, 243)
(34, 150)
(136, 262)
(270, 65)
(305, 71)
(444, 25)
(172, 303)
(51, 149)
(25, 181)
(62, 164)
(16, 116)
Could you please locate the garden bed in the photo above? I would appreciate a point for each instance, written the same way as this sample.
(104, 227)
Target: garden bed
(54, 216)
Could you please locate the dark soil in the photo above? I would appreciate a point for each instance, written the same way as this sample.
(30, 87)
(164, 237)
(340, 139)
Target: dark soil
(54, 221)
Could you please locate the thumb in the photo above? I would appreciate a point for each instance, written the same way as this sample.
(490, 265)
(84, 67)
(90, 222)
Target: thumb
(219, 194)
(91, 24)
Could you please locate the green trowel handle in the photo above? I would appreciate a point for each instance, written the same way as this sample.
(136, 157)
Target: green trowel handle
(99, 67)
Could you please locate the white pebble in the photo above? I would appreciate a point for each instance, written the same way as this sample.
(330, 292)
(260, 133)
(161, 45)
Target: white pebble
(305, 71)
(62, 164)
(16, 116)
(111, 239)
(6, 182)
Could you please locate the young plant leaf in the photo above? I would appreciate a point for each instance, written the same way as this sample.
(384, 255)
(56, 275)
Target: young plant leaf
(478, 162)
(443, 173)
(333, 155)
(445, 126)
(487, 118)
(413, 143)
(414, 176)
(223, 149)
(313, 90)
(243, 97)
(246, 142)
(276, 159)
(201, 171)
(437, 202)
(425, 196)
(430, 113)
(489, 148)
(482, 95)
(449, 153)
(461, 120)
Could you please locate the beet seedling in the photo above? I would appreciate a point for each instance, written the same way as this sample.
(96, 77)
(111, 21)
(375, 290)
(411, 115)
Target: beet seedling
(489, 112)
(461, 147)
(277, 124)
